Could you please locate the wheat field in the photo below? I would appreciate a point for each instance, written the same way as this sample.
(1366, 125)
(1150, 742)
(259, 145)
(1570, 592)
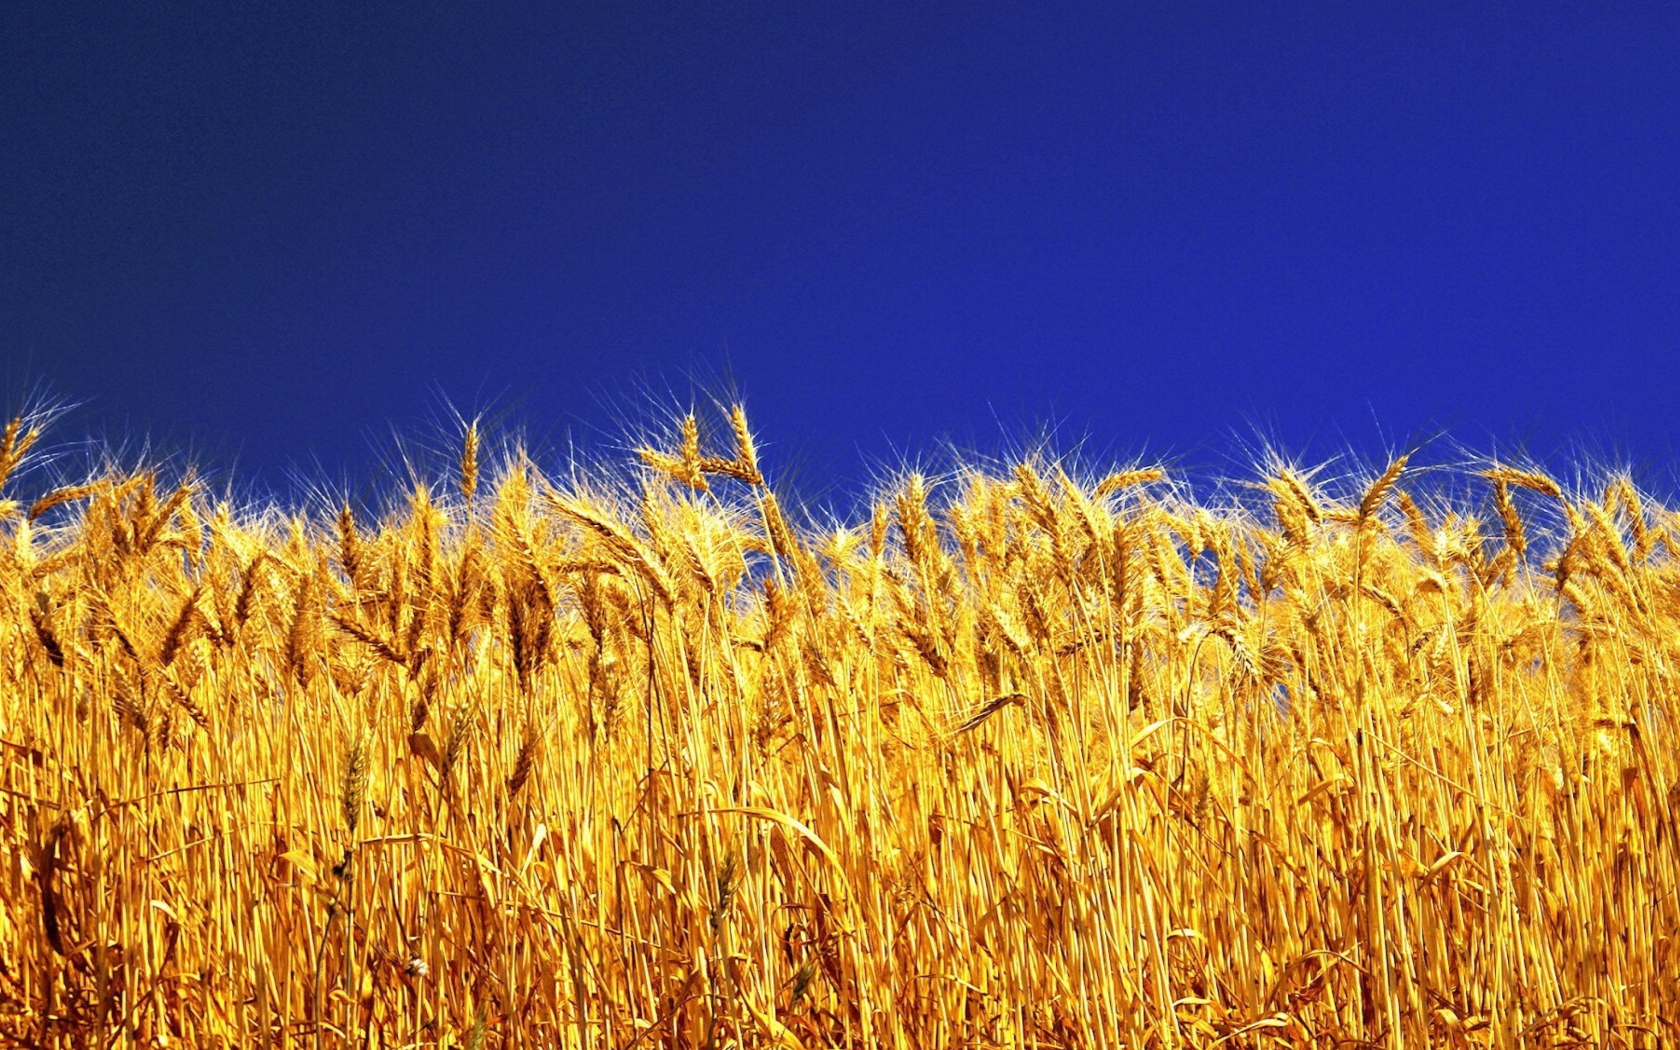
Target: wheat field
(1031, 757)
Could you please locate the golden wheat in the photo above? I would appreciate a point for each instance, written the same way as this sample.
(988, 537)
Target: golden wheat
(1028, 759)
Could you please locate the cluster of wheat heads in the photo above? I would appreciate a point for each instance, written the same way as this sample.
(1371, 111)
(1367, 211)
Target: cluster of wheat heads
(1024, 760)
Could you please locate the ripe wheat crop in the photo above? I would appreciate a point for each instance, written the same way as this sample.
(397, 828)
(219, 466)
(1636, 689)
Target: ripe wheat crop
(1028, 758)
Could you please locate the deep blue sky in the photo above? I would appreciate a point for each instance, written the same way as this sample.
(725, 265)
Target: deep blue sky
(274, 230)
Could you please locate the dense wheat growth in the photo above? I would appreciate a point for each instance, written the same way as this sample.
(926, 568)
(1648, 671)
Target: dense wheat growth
(641, 758)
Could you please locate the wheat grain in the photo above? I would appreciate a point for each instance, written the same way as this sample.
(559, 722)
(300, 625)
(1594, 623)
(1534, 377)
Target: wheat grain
(1377, 494)
(1531, 480)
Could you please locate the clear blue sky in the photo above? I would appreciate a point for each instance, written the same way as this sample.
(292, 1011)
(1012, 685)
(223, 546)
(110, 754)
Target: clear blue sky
(274, 230)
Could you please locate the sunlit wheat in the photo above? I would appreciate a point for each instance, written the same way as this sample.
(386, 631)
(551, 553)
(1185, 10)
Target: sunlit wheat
(1027, 758)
